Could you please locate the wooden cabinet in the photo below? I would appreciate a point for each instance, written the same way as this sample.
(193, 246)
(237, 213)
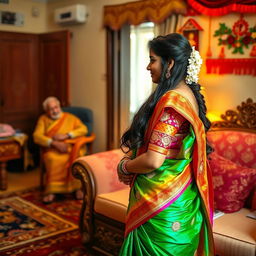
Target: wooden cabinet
(32, 67)
(18, 79)
(54, 66)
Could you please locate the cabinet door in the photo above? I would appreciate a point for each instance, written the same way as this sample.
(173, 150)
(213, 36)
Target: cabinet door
(54, 66)
(19, 80)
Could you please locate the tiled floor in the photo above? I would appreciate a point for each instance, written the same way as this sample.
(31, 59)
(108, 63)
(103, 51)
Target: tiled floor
(22, 180)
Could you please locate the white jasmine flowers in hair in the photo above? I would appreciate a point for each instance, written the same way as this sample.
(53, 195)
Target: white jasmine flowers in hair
(195, 61)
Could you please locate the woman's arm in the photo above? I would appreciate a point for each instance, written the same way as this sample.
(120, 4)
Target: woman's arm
(145, 163)
(160, 143)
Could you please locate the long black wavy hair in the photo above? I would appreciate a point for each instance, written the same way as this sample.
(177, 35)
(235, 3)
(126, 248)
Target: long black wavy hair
(170, 47)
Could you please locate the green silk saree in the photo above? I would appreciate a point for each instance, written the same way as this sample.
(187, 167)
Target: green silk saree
(170, 208)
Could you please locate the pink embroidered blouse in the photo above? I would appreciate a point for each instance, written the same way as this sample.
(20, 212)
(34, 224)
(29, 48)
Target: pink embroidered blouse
(168, 133)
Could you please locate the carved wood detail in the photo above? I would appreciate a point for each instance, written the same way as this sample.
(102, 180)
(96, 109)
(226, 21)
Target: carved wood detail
(107, 239)
(244, 117)
(99, 232)
(9, 149)
(86, 213)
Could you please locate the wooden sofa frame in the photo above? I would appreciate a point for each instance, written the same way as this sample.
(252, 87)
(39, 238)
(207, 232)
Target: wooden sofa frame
(102, 234)
(106, 235)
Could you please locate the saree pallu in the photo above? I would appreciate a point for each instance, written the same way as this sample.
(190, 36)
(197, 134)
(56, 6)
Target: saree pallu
(170, 209)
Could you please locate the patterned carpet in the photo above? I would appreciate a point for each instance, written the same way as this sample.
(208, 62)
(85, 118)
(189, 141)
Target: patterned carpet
(29, 227)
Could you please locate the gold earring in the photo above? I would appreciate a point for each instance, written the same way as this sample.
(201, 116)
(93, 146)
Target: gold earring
(168, 74)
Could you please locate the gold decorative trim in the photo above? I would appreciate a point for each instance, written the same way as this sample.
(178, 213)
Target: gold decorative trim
(243, 118)
(135, 13)
(9, 149)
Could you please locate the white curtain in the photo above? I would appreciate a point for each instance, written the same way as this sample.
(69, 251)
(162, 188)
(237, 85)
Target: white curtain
(170, 25)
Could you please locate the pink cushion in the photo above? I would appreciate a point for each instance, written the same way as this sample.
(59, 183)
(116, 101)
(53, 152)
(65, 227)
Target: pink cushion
(232, 183)
(6, 130)
(239, 147)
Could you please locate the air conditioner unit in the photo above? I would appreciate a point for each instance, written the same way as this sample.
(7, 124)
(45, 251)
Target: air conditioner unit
(73, 14)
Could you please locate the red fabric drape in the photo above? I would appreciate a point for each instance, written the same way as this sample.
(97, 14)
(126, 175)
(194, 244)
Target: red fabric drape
(222, 7)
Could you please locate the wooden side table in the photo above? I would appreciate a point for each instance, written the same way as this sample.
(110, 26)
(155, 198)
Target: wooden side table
(9, 150)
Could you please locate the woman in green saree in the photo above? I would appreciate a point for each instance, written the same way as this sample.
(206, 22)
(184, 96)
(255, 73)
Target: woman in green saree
(170, 204)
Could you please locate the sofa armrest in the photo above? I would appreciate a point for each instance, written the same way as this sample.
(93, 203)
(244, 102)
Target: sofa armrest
(97, 173)
(81, 172)
(101, 170)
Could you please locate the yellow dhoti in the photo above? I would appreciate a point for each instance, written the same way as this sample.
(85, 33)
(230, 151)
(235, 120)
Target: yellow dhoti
(58, 174)
(59, 178)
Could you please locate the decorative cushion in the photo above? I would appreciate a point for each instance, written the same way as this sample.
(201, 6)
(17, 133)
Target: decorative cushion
(237, 146)
(232, 183)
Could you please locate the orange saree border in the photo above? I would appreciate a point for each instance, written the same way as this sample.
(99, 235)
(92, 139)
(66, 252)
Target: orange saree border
(142, 211)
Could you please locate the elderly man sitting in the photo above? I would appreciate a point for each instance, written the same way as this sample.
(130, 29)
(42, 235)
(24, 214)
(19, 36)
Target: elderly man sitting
(60, 134)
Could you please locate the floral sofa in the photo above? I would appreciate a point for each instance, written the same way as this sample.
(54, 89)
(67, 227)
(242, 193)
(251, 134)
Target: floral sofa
(233, 165)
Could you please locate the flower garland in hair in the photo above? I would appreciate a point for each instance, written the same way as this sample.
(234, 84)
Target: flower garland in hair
(195, 61)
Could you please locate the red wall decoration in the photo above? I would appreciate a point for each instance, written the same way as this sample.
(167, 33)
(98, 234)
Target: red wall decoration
(237, 38)
(191, 31)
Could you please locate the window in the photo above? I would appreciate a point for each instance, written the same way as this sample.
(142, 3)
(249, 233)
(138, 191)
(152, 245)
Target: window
(140, 80)
(128, 82)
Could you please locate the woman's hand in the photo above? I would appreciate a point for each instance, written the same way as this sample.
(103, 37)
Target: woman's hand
(125, 178)
(122, 173)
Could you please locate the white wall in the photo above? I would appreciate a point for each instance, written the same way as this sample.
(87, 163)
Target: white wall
(88, 62)
(31, 24)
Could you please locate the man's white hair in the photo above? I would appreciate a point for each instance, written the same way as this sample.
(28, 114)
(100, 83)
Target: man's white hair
(47, 100)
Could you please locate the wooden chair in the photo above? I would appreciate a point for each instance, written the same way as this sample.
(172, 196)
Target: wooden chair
(86, 116)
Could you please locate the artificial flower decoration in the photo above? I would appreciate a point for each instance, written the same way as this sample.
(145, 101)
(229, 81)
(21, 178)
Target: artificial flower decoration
(238, 38)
